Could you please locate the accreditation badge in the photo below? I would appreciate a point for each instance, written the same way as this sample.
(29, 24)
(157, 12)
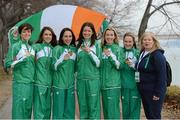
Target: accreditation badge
(137, 77)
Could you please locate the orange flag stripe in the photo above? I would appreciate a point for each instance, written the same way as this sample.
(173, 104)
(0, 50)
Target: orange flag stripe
(82, 15)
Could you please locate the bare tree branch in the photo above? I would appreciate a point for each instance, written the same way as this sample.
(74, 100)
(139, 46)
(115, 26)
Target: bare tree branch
(170, 20)
(148, 14)
(165, 4)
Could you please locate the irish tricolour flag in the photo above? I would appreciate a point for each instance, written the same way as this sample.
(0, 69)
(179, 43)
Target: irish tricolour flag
(57, 17)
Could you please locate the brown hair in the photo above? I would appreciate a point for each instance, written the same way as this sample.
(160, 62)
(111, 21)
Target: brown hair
(132, 36)
(61, 42)
(53, 41)
(93, 37)
(25, 26)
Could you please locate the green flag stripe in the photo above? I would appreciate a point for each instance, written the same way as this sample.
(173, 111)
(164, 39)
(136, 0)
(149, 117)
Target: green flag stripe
(34, 20)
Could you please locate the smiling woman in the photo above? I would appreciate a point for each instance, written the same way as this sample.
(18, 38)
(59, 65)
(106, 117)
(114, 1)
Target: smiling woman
(64, 57)
(152, 68)
(43, 76)
(88, 74)
(20, 58)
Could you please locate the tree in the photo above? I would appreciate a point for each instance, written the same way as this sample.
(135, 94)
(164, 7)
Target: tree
(119, 13)
(157, 8)
(12, 11)
(9, 12)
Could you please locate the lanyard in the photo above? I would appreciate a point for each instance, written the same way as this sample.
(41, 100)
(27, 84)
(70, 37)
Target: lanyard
(47, 55)
(27, 47)
(141, 57)
(147, 62)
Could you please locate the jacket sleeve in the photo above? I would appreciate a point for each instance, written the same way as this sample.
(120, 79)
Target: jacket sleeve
(122, 59)
(96, 56)
(75, 63)
(10, 60)
(58, 60)
(160, 68)
(114, 59)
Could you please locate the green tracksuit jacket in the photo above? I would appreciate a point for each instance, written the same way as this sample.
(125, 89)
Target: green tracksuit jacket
(110, 77)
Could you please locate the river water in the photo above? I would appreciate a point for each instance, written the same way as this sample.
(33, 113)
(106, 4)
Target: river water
(172, 53)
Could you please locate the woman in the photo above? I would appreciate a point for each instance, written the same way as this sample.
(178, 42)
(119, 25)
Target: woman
(131, 102)
(88, 75)
(43, 76)
(64, 57)
(20, 58)
(152, 68)
(110, 75)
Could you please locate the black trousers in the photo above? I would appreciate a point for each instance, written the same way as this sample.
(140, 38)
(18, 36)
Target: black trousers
(152, 108)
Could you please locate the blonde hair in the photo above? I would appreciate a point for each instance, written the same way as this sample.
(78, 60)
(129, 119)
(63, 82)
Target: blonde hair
(152, 35)
(116, 40)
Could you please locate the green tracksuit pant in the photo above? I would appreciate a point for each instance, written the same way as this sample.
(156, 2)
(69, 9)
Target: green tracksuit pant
(63, 103)
(22, 99)
(88, 92)
(42, 102)
(110, 102)
(131, 104)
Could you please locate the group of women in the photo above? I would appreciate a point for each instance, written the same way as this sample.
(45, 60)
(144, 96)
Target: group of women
(46, 73)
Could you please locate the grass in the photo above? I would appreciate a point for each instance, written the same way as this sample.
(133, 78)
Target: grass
(173, 94)
(173, 91)
(172, 100)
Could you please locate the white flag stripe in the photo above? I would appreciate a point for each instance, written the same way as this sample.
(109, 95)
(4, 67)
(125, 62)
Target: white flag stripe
(60, 16)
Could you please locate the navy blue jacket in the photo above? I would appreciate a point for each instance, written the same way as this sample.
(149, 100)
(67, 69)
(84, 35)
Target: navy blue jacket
(153, 73)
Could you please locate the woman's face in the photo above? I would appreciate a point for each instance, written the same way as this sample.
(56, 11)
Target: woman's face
(47, 36)
(128, 42)
(109, 37)
(87, 32)
(67, 37)
(148, 42)
(25, 34)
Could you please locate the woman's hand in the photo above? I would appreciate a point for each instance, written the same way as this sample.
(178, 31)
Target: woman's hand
(129, 62)
(66, 57)
(155, 98)
(27, 54)
(106, 52)
(86, 48)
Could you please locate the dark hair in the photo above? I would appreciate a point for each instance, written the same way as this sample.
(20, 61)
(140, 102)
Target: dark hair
(25, 26)
(61, 42)
(93, 37)
(53, 41)
(132, 36)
